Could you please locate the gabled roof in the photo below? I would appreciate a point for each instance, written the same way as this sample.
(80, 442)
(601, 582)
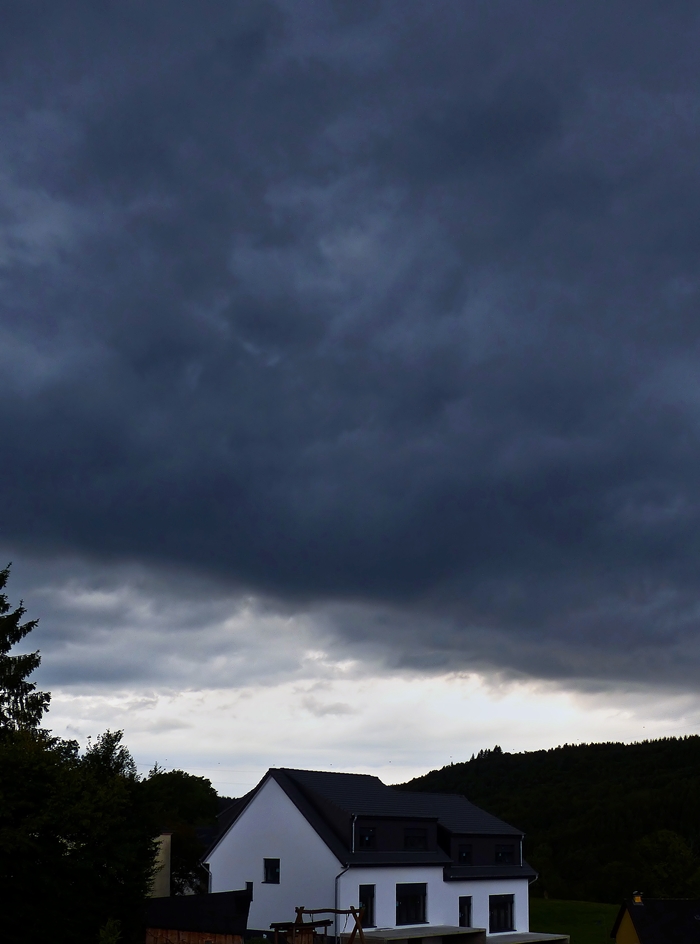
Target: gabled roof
(458, 815)
(663, 920)
(360, 794)
(232, 812)
(365, 795)
(317, 793)
(307, 808)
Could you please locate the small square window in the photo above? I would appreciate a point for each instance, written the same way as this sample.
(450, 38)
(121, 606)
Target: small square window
(505, 854)
(464, 855)
(272, 871)
(367, 837)
(415, 839)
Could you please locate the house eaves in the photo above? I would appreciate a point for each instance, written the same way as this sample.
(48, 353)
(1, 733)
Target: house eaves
(459, 873)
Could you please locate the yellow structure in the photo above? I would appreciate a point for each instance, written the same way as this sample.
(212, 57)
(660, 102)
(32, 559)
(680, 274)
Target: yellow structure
(643, 920)
(626, 931)
(160, 887)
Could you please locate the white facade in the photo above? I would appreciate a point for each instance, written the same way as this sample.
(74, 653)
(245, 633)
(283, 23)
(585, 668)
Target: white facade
(442, 898)
(272, 827)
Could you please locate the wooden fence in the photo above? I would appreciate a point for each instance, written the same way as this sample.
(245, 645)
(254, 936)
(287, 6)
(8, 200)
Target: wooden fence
(162, 936)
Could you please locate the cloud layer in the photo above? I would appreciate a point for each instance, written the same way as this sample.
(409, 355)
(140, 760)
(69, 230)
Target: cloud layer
(383, 313)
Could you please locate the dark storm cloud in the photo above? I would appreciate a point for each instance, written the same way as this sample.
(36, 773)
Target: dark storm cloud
(391, 307)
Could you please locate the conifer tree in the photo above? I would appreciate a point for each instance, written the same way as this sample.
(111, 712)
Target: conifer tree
(21, 706)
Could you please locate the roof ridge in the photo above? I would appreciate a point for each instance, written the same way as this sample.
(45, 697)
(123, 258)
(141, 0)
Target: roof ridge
(432, 793)
(337, 773)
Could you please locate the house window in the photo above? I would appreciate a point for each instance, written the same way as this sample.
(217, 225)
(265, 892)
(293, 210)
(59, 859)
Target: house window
(366, 837)
(415, 839)
(367, 902)
(272, 871)
(410, 903)
(465, 911)
(505, 855)
(464, 853)
(501, 913)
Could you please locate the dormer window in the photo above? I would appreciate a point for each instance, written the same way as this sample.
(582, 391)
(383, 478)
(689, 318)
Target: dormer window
(415, 838)
(464, 853)
(505, 853)
(366, 837)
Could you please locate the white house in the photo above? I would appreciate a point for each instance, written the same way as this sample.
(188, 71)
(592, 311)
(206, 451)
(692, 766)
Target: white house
(424, 862)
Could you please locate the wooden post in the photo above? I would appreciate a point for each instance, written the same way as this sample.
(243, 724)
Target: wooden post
(357, 915)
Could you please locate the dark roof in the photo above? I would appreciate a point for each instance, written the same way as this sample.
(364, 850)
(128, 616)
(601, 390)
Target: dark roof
(224, 819)
(326, 798)
(309, 810)
(353, 793)
(663, 920)
(365, 795)
(223, 803)
(232, 812)
(217, 913)
(228, 810)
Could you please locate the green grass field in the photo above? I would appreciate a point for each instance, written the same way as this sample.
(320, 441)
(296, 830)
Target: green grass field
(588, 922)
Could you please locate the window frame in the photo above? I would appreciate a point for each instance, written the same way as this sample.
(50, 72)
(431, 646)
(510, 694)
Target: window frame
(497, 902)
(366, 837)
(269, 869)
(411, 833)
(410, 889)
(504, 853)
(369, 919)
(465, 898)
(462, 848)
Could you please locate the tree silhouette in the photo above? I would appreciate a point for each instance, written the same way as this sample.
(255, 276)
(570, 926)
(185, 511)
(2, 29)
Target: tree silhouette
(21, 706)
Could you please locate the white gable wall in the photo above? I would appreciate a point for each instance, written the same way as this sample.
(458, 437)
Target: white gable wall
(442, 898)
(271, 827)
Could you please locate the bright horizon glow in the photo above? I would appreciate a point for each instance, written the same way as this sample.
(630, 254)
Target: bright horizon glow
(395, 727)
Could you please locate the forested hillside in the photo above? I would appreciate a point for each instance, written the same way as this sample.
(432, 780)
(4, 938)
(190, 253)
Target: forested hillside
(600, 819)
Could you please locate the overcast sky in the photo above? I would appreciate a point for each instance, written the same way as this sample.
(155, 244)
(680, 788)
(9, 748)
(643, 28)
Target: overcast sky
(350, 373)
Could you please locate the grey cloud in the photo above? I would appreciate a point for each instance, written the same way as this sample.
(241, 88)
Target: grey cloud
(113, 626)
(322, 709)
(382, 311)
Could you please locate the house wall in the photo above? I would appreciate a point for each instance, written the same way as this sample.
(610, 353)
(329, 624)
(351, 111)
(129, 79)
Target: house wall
(272, 827)
(442, 897)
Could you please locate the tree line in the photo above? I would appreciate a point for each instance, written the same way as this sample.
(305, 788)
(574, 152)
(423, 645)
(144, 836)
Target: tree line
(600, 820)
(78, 829)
